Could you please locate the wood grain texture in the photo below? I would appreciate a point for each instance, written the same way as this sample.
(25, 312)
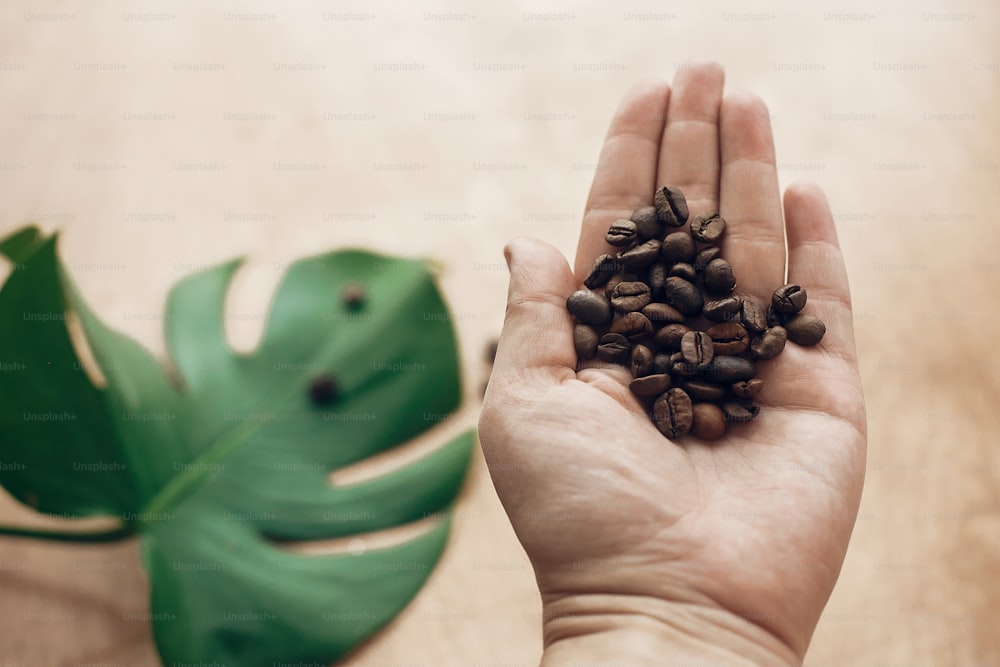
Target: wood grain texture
(165, 137)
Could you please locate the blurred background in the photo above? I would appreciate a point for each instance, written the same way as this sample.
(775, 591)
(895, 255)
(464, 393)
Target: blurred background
(162, 137)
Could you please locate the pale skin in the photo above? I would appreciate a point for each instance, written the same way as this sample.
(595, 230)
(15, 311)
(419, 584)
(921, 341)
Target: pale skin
(652, 552)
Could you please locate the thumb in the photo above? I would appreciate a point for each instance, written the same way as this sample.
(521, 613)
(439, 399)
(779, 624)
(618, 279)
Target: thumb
(538, 330)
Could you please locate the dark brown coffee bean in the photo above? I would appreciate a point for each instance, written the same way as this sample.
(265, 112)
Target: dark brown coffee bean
(647, 225)
(671, 206)
(682, 295)
(727, 369)
(747, 388)
(641, 361)
(669, 337)
(604, 267)
(774, 318)
(678, 247)
(736, 412)
(805, 329)
(673, 413)
(708, 229)
(697, 348)
(729, 337)
(627, 297)
(683, 369)
(650, 386)
(706, 255)
(621, 233)
(323, 390)
(662, 363)
(705, 391)
(683, 270)
(353, 296)
(708, 422)
(634, 326)
(722, 310)
(618, 278)
(769, 344)
(654, 278)
(584, 341)
(613, 348)
(752, 314)
(639, 256)
(788, 300)
(719, 277)
(661, 313)
(589, 308)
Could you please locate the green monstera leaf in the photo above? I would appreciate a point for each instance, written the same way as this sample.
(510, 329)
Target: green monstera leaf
(219, 462)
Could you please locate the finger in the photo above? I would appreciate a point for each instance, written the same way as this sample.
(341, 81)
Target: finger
(626, 170)
(816, 263)
(749, 198)
(537, 333)
(689, 151)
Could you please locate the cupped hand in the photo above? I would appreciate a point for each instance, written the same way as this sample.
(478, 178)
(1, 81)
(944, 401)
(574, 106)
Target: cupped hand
(742, 538)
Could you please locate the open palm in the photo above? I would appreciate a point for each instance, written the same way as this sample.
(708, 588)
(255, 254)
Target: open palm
(749, 532)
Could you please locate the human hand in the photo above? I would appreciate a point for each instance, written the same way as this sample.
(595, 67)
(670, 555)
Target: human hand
(726, 549)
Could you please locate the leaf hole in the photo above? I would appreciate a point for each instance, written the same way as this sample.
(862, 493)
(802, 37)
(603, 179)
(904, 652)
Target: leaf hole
(247, 303)
(363, 542)
(88, 362)
(446, 427)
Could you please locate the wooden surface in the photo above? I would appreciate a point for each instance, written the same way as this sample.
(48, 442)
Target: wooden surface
(161, 137)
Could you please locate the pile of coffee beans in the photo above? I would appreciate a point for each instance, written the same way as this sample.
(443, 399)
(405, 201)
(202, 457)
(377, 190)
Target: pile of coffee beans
(663, 306)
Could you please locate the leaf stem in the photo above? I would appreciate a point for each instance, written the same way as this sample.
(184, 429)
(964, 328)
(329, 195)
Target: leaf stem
(113, 535)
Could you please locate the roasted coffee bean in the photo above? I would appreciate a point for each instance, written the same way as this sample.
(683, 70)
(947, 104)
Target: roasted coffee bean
(618, 278)
(621, 233)
(639, 256)
(708, 229)
(728, 369)
(752, 314)
(708, 422)
(589, 308)
(671, 206)
(613, 348)
(769, 344)
(722, 310)
(353, 296)
(682, 368)
(705, 391)
(729, 337)
(678, 247)
(584, 341)
(655, 277)
(736, 412)
(805, 329)
(650, 386)
(719, 277)
(673, 413)
(662, 363)
(774, 318)
(627, 297)
(661, 313)
(788, 300)
(669, 337)
(682, 295)
(697, 348)
(647, 225)
(323, 390)
(634, 326)
(683, 270)
(706, 255)
(641, 361)
(747, 388)
(604, 267)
